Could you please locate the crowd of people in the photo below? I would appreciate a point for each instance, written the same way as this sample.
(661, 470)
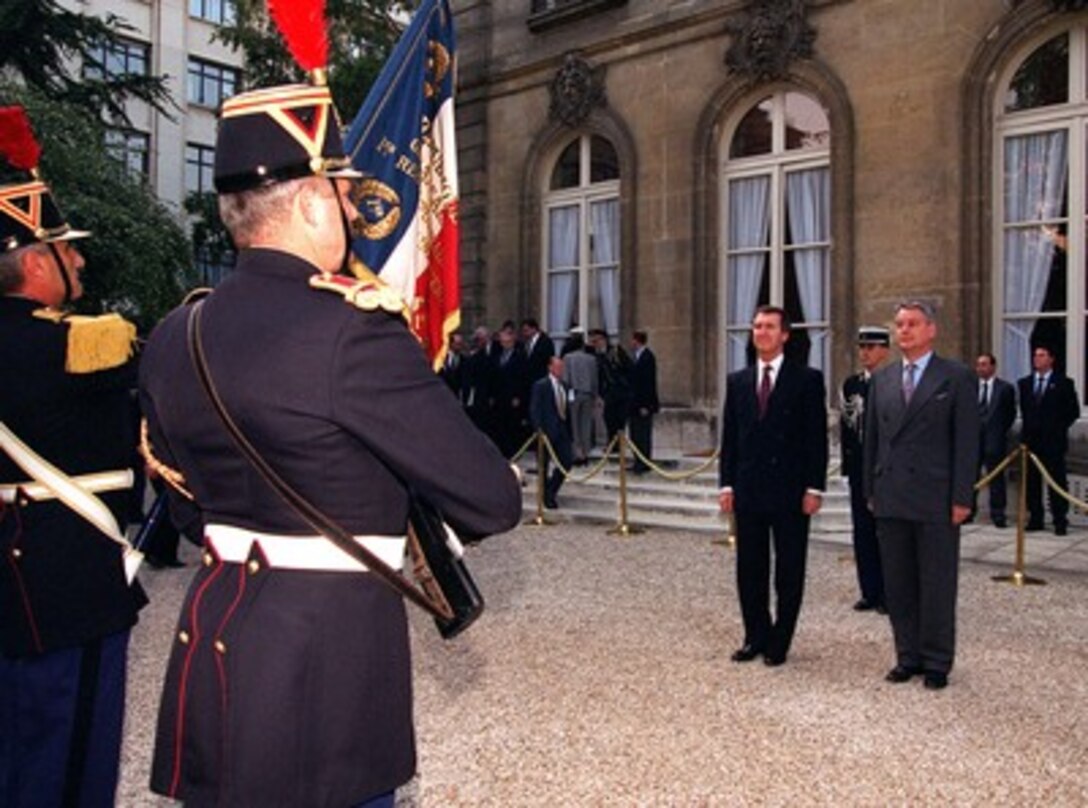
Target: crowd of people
(604, 388)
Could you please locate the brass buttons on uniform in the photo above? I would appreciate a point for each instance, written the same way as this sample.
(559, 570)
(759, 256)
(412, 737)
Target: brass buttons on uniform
(183, 637)
(220, 647)
(16, 553)
(254, 566)
(208, 559)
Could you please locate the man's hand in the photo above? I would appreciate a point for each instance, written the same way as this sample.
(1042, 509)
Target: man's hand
(960, 514)
(725, 501)
(811, 504)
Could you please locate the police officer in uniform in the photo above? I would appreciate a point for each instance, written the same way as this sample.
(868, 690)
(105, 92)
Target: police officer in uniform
(289, 682)
(66, 607)
(873, 346)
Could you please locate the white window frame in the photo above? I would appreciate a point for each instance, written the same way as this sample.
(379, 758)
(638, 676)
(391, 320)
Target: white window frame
(583, 197)
(1071, 118)
(777, 164)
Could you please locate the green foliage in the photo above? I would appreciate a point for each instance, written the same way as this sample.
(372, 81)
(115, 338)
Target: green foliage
(139, 260)
(362, 34)
(40, 42)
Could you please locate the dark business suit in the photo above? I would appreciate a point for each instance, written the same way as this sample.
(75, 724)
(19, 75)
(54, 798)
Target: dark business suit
(510, 389)
(538, 356)
(643, 380)
(855, 392)
(921, 459)
(545, 415)
(770, 463)
(996, 416)
(1045, 430)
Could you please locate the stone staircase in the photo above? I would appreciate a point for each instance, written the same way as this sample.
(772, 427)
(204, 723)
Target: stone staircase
(656, 502)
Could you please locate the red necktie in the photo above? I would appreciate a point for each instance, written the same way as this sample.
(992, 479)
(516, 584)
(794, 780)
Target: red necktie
(764, 391)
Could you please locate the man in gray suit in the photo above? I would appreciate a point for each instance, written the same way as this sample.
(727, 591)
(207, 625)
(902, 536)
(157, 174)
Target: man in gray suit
(921, 458)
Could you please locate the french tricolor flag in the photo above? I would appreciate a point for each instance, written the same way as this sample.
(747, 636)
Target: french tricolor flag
(403, 141)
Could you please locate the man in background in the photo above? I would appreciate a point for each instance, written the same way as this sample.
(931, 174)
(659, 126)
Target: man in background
(549, 413)
(1048, 407)
(997, 411)
(873, 346)
(643, 403)
(580, 374)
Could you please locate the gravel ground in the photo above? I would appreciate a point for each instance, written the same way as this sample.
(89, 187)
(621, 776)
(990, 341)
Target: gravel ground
(600, 675)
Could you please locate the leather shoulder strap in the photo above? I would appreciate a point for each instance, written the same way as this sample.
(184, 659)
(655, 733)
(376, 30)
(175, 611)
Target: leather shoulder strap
(309, 513)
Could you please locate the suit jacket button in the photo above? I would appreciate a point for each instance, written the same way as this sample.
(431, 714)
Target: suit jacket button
(183, 637)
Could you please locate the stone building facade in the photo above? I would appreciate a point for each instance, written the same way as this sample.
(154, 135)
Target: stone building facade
(669, 164)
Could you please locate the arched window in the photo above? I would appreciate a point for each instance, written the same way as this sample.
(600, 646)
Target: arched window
(777, 224)
(582, 239)
(1039, 193)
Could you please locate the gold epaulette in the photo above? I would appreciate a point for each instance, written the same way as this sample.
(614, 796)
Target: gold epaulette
(368, 295)
(94, 343)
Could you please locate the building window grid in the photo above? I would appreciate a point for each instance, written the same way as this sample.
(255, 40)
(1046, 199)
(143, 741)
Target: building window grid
(1071, 119)
(210, 83)
(122, 57)
(131, 149)
(776, 166)
(220, 12)
(199, 168)
(583, 199)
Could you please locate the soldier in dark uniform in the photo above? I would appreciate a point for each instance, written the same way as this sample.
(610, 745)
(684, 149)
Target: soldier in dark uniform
(873, 347)
(289, 683)
(66, 607)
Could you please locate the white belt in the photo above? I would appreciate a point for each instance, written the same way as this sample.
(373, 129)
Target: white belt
(97, 483)
(234, 544)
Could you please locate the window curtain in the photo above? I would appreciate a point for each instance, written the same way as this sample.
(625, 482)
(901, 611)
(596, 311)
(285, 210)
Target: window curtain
(562, 255)
(1036, 171)
(808, 196)
(604, 224)
(749, 223)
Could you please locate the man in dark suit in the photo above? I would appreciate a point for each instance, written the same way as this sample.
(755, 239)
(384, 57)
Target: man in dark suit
(873, 344)
(921, 460)
(453, 367)
(773, 472)
(643, 402)
(66, 607)
(997, 411)
(477, 382)
(1048, 407)
(289, 680)
(510, 392)
(549, 412)
(538, 348)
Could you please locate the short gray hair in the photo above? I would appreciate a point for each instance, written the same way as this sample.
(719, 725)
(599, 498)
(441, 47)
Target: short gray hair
(248, 214)
(928, 310)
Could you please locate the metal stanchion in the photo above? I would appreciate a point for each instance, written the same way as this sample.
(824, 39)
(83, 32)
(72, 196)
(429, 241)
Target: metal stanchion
(539, 519)
(623, 527)
(1017, 577)
(730, 539)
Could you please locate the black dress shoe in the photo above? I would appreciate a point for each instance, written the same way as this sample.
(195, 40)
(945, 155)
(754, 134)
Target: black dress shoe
(1033, 527)
(551, 504)
(999, 521)
(881, 609)
(746, 653)
(864, 605)
(1061, 530)
(936, 680)
(901, 673)
(774, 660)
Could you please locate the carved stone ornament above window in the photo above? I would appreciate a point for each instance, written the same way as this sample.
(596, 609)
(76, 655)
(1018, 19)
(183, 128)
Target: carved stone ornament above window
(576, 89)
(771, 35)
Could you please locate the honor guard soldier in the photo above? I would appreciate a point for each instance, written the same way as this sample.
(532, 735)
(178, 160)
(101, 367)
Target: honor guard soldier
(289, 683)
(873, 347)
(66, 607)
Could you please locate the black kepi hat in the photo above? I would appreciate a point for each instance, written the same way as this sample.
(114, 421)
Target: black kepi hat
(288, 132)
(874, 335)
(28, 212)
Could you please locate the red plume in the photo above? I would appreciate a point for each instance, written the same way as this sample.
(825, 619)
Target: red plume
(303, 28)
(17, 143)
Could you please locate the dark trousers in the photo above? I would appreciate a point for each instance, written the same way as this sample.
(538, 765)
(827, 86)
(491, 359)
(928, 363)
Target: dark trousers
(641, 429)
(866, 546)
(60, 726)
(1059, 507)
(561, 443)
(921, 576)
(755, 534)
